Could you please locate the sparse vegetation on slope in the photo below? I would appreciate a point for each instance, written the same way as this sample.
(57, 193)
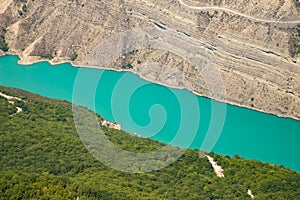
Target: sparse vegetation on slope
(298, 45)
(3, 45)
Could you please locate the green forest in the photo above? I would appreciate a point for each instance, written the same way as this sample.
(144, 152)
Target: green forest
(42, 157)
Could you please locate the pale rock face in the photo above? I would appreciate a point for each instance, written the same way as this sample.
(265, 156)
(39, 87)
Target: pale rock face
(110, 125)
(252, 43)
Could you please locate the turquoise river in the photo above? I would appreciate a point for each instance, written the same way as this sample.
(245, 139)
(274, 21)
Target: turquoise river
(162, 113)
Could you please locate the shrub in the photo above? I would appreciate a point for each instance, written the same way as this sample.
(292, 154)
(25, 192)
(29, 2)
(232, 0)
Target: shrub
(24, 8)
(3, 45)
(74, 57)
(128, 66)
(20, 12)
(134, 52)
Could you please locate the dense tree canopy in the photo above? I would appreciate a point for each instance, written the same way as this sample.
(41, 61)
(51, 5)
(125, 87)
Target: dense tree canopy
(42, 157)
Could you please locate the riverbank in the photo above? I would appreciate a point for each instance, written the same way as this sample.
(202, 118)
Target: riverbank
(62, 158)
(245, 132)
(260, 71)
(78, 65)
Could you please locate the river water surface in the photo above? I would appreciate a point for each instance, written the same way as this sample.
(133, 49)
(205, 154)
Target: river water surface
(162, 113)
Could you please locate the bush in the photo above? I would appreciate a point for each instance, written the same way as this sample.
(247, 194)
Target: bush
(20, 12)
(24, 8)
(74, 57)
(128, 66)
(3, 45)
(134, 52)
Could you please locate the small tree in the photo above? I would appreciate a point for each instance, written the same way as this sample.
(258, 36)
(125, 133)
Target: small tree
(74, 57)
(20, 12)
(24, 8)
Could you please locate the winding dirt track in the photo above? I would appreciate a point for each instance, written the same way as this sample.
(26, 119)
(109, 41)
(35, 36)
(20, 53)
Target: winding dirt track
(10, 100)
(237, 13)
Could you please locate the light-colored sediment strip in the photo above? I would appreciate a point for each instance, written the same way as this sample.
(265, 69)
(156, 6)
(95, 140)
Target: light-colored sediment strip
(11, 100)
(238, 13)
(217, 168)
(249, 192)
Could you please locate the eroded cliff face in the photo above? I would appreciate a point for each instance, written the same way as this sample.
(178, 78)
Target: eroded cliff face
(252, 44)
